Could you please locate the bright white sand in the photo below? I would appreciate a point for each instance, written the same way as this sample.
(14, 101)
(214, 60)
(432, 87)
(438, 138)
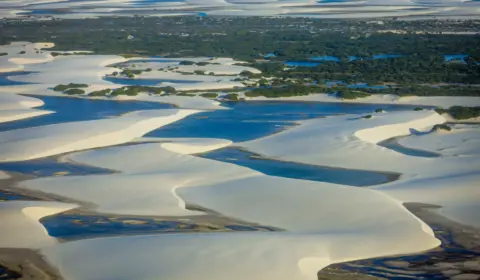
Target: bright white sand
(349, 142)
(90, 70)
(20, 226)
(15, 107)
(187, 145)
(325, 223)
(437, 101)
(16, 61)
(42, 141)
(463, 140)
(214, 256)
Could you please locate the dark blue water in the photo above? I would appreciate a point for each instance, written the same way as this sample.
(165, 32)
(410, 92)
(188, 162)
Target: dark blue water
(301, 64)
(45, 167)
(70, 109)
(4, 81)
(325, 58)
(456, 57)
(351, 177)
(145, 82)
(374, 57)
(85, 226)
(6, 195)
(252, 120)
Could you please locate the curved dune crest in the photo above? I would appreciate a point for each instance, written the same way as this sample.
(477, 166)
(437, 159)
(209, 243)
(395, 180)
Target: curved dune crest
(215, 256)
(331, 216)
(20, 226)
(16, 107)
(351, 142)
(43, 141)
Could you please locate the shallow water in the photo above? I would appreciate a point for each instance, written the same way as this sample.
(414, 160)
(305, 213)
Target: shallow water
(49, 166)
(70, 109)
(393, 144)
(325, 58)
(359, 178)
(73, 226)
(301, 64)
(4, 81)
(256, 119)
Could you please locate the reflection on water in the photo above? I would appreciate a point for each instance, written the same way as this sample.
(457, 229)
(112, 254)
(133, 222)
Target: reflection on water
(296, 170)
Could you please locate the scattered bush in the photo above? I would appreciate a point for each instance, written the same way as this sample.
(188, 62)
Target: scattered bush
(439, 127)
(148, 70)
(135, 90)
(22, 52)
(74, 91)
(186, 62)
(367, 117)
(285, 91)
(3, 54)
(418, 109)
(352, 94)
(209, 95)
(69, 86)
(199, 72)
(379, 110)
(202, 63)
(231, 97)
(185, 94)
(102, 92)
(463, 113)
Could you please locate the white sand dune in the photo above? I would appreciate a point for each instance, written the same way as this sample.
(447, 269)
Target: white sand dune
(215, 256)
(438, 101)
(350, 142)
(42, 141)
(15, 107)
(463, 140)
(19, 54)
(325, 223)
(20, 226)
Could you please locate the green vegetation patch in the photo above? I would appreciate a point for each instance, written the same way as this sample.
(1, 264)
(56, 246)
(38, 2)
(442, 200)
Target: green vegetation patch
(439, 127)
(211, 95)
(352, 94)
(186, 62)
(135, 90)
(74, 91)
(231, 97)
(185, 94)
(69, 86)
(461, 112)
(103, 92)
(289, 90)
